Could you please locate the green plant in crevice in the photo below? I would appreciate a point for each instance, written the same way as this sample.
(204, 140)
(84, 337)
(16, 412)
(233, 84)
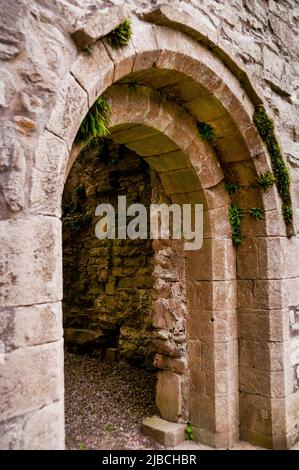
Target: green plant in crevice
(235, 215)
(95, 124)
(265, 181)
(189, 432)
(287, 213)
(232, 188)
(87, 49)
(265, 128)
(205, 130)
(121, 35)
(257, 213)
(263, 123)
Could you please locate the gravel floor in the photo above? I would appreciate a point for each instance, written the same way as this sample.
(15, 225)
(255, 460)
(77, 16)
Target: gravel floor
(105, 404)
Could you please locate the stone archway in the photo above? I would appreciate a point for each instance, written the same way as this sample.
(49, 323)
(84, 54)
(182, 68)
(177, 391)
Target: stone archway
(167, 138)
(212, 325)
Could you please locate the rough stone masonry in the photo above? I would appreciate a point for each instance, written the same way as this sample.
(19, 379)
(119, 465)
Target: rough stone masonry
(228, 364)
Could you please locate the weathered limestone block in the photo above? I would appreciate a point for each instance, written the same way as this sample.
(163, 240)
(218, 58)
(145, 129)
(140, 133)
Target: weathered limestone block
(134, 133)
(268, 425)
(153, 145)
(175, 160)
(180, 181)
(48, 175)
(2, 94)
(11, 434)
(216, 260)
(202, 29)
(216, 325)
(37, 373)
(290, 292)
(178, 365)
(268, 294)
(292, 417)
(263, 325)
(44, 429)
(167, 347)
(70, 109)
(276, 384)
(146, 51)
(31, 275)
(7, 88)
(13, 24)
(277, 354)
(219, 356)
(169, 395)
(30, 326)
(201, 413)
(123, 59)
(206, 295)
(7, 145)
(227, 411)
(88, 30)
(86, 71)
(13, 184)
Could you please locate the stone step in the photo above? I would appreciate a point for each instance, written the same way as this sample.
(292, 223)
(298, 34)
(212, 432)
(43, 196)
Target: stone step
(165, 432)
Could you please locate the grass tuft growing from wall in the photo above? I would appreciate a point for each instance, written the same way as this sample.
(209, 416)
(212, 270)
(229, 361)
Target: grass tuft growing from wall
(266, 180)
(257, 213)
(232, 188)
(121, 35)
(96, 122)
(235, 215)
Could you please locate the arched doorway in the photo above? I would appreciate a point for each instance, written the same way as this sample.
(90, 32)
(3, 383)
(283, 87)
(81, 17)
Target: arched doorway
(211, 277)
(212, 321)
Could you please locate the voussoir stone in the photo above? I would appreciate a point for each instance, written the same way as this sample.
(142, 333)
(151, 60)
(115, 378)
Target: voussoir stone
(99, 24)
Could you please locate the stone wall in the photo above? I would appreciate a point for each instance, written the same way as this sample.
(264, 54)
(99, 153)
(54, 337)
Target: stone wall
(125, 294)
(107, 283)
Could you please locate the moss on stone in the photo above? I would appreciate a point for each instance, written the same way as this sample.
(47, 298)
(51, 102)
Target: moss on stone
(287, 213)
(265, 128)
